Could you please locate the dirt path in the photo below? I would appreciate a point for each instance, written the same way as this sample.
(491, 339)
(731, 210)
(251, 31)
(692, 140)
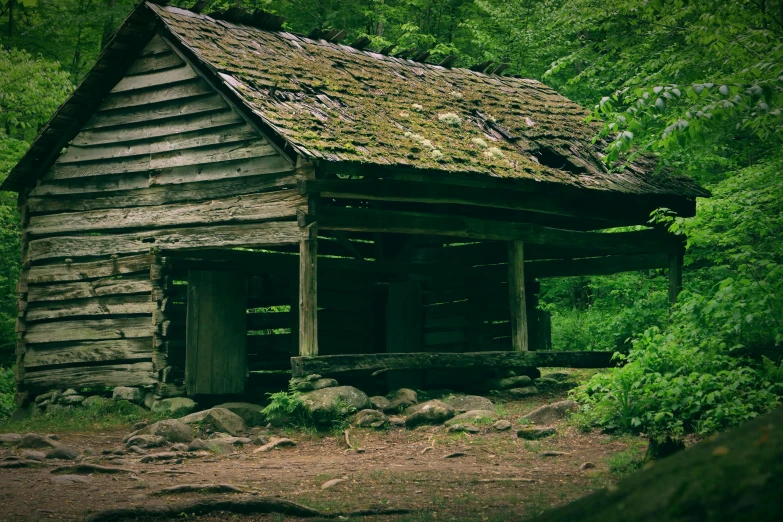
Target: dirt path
(499, 477)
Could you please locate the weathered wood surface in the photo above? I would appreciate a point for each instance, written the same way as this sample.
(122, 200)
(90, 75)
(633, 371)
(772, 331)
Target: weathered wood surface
(135, 374)
(154, 62)
(90, 270)
(160, 111)
(308, 292)
(86, 289)
(179, 91)
(115, 305)
(84, 352)
(516, 296)
(249, 235)
(88, 330)
(152, 79)
(359, 220)
(335, 364)
(266, 206)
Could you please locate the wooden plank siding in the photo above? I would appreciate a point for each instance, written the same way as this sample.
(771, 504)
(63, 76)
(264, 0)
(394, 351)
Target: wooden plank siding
(165, 163)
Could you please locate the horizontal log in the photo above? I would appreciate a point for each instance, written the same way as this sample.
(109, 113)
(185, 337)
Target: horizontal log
(160, 111)
(92, 270)
(162, 195)
(115, 305)
(167, 93)
(86, 289)
(88, 330)
(155, 62)
(336, 364)
(154, 79)
(135, 374)
(266, 206)
(364, 220)
(228, 236)
(84, 352)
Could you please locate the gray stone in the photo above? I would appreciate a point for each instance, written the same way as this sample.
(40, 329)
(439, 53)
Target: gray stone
(72, 400)
(521, 393)
(550, 413)
(250, 413)
(138, 426)
(36, 441)
(464, 428)
(43, 397)
(472, 416)
(260, 440)
(126, 393)
(198, 445)
(33, 455)
(170, 429)
(326, 403)
(63, 480)
(89, 452)
(69, 392)
(149, 400)
(138, 450)
(310, 383)
(215, 446)
(398, 422)
(52, 436)
(506, 383)
(532, 433)
(587, 465)
(55, 397)
(430, 412)
(501, 425)
(275, 443)
(174, 407)
(220, 419)
(401, 399)
(146, 441)
(463, 403)
(179, 447)
(63, 453)
(370, 419)
(379, 402)
(10, 438)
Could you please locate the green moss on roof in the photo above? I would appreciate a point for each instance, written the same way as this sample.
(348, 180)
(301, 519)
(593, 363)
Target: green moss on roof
(335, 103)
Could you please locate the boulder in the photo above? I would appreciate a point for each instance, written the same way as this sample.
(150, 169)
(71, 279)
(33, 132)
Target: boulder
(501, 425)
(145, 441)
(533, 433)
(69, 392)
(72, 400)
(463, 403)
(464, 428)
(521, 393)
(401, 399)
(430, 412)
(396, 421)
(63, 453)
(126, 393)
(179, 447)
(174, 407)
(149, 400)
(259, 440)
(33, 455)
(506, 383)
(325, 403)
(370, 419)
(250, 413)
(43, 397)
(171, 430)
(10, 438)
(36, 441)
(472, 416)
(379, 402)
(220, 419)
(550, 413)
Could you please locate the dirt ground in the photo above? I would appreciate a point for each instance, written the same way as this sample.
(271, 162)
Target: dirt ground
(494, 476)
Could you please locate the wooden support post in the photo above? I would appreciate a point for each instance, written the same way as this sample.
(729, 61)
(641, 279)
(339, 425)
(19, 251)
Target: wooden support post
(675, 277)
(516, 296)
(404, 328)
(308, 292)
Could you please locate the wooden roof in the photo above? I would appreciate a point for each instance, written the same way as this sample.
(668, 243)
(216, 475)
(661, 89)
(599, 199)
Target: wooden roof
(334, 103)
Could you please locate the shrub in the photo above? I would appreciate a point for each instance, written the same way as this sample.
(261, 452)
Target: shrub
(7, 391)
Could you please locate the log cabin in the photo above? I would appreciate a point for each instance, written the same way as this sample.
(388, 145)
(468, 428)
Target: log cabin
(220, 197)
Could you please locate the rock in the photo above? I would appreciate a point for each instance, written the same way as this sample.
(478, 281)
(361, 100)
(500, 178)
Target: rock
(250, 413)
(219, 435)
(535, 433)
(198, 445)
(33, 455)
(587, 465)
(467, 428)
(170, 429)
(398, 422)
(215, 446)
(126, 393)
(33, 410)
(72, 400)
(145, 441)
(149, 400)
(95, 401)
(463, 403)
(401, 399)
(174, 407)
(10, 438)
(472, 416)
(43, 397)
(52, 436)
(326, 403)
(138, 426)
(521, 393)
(379, 402)
(501, 425)
(275, 443)
(69, 392)
(506, 383)
(179, 447)
(550, 413)
(430, 412)
(62, 480)
(55, 397)
(313, 382)
(36, 441)
(370, 419)
(259, 440)
(220, 419)
(89, 452)
(332, 483)
(63, 452)
(137, 450)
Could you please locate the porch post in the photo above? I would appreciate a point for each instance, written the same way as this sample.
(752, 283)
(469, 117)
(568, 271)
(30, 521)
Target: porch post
(516, 296)
(308, 292)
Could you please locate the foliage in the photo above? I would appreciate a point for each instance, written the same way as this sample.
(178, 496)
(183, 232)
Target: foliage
(7, 391)
(287, 407)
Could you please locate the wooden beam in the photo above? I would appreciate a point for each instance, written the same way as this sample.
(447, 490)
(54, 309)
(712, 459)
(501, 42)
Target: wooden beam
(336, 364)
(675, 277)
(516, 296)
(365, 220)
(308, 293)
(592, 266)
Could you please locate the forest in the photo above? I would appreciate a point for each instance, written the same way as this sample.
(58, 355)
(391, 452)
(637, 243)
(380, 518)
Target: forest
(697, 83)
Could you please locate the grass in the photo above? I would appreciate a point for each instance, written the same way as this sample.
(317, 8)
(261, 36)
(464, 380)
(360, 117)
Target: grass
(626, 462)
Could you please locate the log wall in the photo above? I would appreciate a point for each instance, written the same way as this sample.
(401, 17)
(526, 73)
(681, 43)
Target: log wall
(165, 163)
